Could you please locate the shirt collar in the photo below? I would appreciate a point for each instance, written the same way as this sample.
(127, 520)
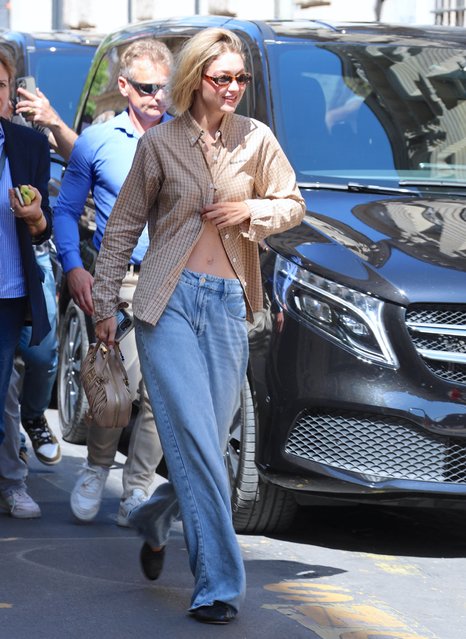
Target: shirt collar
(2, 134)
(195, 132)
(123, 123)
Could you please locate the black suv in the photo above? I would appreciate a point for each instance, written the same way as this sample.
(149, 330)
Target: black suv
(356, 386)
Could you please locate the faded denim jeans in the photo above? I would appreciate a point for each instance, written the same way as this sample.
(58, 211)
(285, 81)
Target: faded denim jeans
(194, 364)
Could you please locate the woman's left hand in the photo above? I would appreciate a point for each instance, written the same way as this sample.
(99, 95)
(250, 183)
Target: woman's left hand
(223, 214)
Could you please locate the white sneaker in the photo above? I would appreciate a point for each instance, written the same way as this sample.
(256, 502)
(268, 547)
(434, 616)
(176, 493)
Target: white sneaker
(19, 504)
(86, 495)
(127, 505)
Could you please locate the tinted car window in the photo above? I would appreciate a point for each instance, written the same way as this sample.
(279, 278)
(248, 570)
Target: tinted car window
(390, 112)
(60, 71)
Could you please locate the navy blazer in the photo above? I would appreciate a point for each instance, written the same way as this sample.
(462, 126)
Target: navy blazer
(28, 156)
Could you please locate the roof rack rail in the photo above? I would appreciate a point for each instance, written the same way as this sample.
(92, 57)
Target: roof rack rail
(325, 24)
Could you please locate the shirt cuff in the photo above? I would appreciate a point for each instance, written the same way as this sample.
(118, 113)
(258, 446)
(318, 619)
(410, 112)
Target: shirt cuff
(71, 261)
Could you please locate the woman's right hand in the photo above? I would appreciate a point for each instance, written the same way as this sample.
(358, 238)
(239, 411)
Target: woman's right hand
(105, 331)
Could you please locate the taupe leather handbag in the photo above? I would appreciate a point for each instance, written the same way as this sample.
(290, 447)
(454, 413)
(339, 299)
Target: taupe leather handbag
(105, 383)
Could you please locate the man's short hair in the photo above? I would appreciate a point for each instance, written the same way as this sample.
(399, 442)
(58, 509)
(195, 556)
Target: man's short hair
(157, 52)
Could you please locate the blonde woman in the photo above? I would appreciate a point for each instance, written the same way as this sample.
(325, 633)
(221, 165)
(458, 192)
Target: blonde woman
(211, 185)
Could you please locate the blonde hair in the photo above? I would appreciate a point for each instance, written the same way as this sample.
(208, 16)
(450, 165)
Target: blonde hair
(157, 52)
(192, 60)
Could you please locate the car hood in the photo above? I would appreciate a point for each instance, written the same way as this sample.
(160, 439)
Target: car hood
(401, 249)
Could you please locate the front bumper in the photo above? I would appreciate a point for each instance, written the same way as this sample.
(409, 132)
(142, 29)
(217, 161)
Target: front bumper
(331, 424)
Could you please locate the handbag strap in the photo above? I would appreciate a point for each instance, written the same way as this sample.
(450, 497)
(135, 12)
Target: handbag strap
(106, 355)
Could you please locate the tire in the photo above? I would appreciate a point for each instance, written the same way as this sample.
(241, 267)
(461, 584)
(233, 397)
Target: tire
(71, 399)
(258, 507)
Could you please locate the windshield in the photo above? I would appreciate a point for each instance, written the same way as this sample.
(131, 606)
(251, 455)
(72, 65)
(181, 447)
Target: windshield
(370, 112)
(60, 70)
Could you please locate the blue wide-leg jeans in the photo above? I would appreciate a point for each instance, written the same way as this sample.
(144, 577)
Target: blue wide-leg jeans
(194, 365)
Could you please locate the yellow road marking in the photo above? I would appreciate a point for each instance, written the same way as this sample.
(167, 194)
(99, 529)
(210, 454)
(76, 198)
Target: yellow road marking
(390, 564)
(364, 634)
(328, 619)
(308, 591)
(356, 615)
(398, 569)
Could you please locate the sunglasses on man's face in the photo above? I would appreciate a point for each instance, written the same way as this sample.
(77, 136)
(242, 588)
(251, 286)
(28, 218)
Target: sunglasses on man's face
(147, 88)
(226, 79)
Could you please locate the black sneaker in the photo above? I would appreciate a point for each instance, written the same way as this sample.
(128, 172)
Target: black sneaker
(151, 561)
(219, 613)
(44, 442)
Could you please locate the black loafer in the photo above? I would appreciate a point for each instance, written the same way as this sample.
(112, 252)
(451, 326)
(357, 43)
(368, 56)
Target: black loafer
(219, 612)
(151, 561)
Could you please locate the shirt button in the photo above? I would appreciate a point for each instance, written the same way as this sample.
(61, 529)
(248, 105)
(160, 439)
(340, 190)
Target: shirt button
(245, 283)
(211, 186)
(227, 236)
(233, 259)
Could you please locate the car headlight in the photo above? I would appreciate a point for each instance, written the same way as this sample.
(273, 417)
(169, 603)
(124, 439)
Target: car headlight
(352, 319)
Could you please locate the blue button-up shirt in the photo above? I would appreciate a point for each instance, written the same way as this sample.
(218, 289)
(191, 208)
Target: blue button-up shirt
(12, 283)
(100, 161)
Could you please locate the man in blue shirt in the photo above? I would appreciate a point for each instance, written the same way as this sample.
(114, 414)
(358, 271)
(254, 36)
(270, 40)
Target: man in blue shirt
(100, 161)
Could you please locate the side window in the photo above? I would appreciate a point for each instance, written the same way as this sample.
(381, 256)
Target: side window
(104, 99)
(246, 106)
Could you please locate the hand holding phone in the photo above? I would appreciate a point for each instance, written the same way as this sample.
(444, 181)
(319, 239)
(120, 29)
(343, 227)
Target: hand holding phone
(24, 194)
(25, 204)
(124, 324)
(26, 82)
(19, 196)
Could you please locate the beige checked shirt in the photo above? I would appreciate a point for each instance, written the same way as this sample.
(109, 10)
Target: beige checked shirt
(169, 184)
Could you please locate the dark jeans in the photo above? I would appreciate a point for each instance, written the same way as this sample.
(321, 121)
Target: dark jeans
(12, 314)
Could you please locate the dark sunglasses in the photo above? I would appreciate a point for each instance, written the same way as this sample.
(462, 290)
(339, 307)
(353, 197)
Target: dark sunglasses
(226, 79)
(146, 89)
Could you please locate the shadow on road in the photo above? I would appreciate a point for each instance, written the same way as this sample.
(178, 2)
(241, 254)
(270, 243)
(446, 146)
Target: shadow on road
(387, 530)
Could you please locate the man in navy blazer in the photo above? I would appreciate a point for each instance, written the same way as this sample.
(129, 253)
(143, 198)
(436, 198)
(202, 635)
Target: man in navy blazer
(25, 159)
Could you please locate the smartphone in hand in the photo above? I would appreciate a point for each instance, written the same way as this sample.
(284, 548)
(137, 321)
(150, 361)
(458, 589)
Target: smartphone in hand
(19, 196)
(27, 82)
(124, 324)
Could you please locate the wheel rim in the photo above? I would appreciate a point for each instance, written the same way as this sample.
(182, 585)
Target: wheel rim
(71, 367)
(232, 454)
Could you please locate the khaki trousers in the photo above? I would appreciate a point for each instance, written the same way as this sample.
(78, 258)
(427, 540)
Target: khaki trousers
(145, 451)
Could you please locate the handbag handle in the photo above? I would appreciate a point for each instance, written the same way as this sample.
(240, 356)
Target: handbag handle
(104, 350)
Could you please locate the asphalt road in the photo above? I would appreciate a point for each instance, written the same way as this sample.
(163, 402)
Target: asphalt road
(340, 573)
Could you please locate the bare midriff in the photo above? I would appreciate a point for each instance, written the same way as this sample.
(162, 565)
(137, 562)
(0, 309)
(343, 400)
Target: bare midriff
(209, 255)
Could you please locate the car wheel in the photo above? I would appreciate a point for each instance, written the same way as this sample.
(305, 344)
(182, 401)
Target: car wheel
(72, 401)
(257, 507)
